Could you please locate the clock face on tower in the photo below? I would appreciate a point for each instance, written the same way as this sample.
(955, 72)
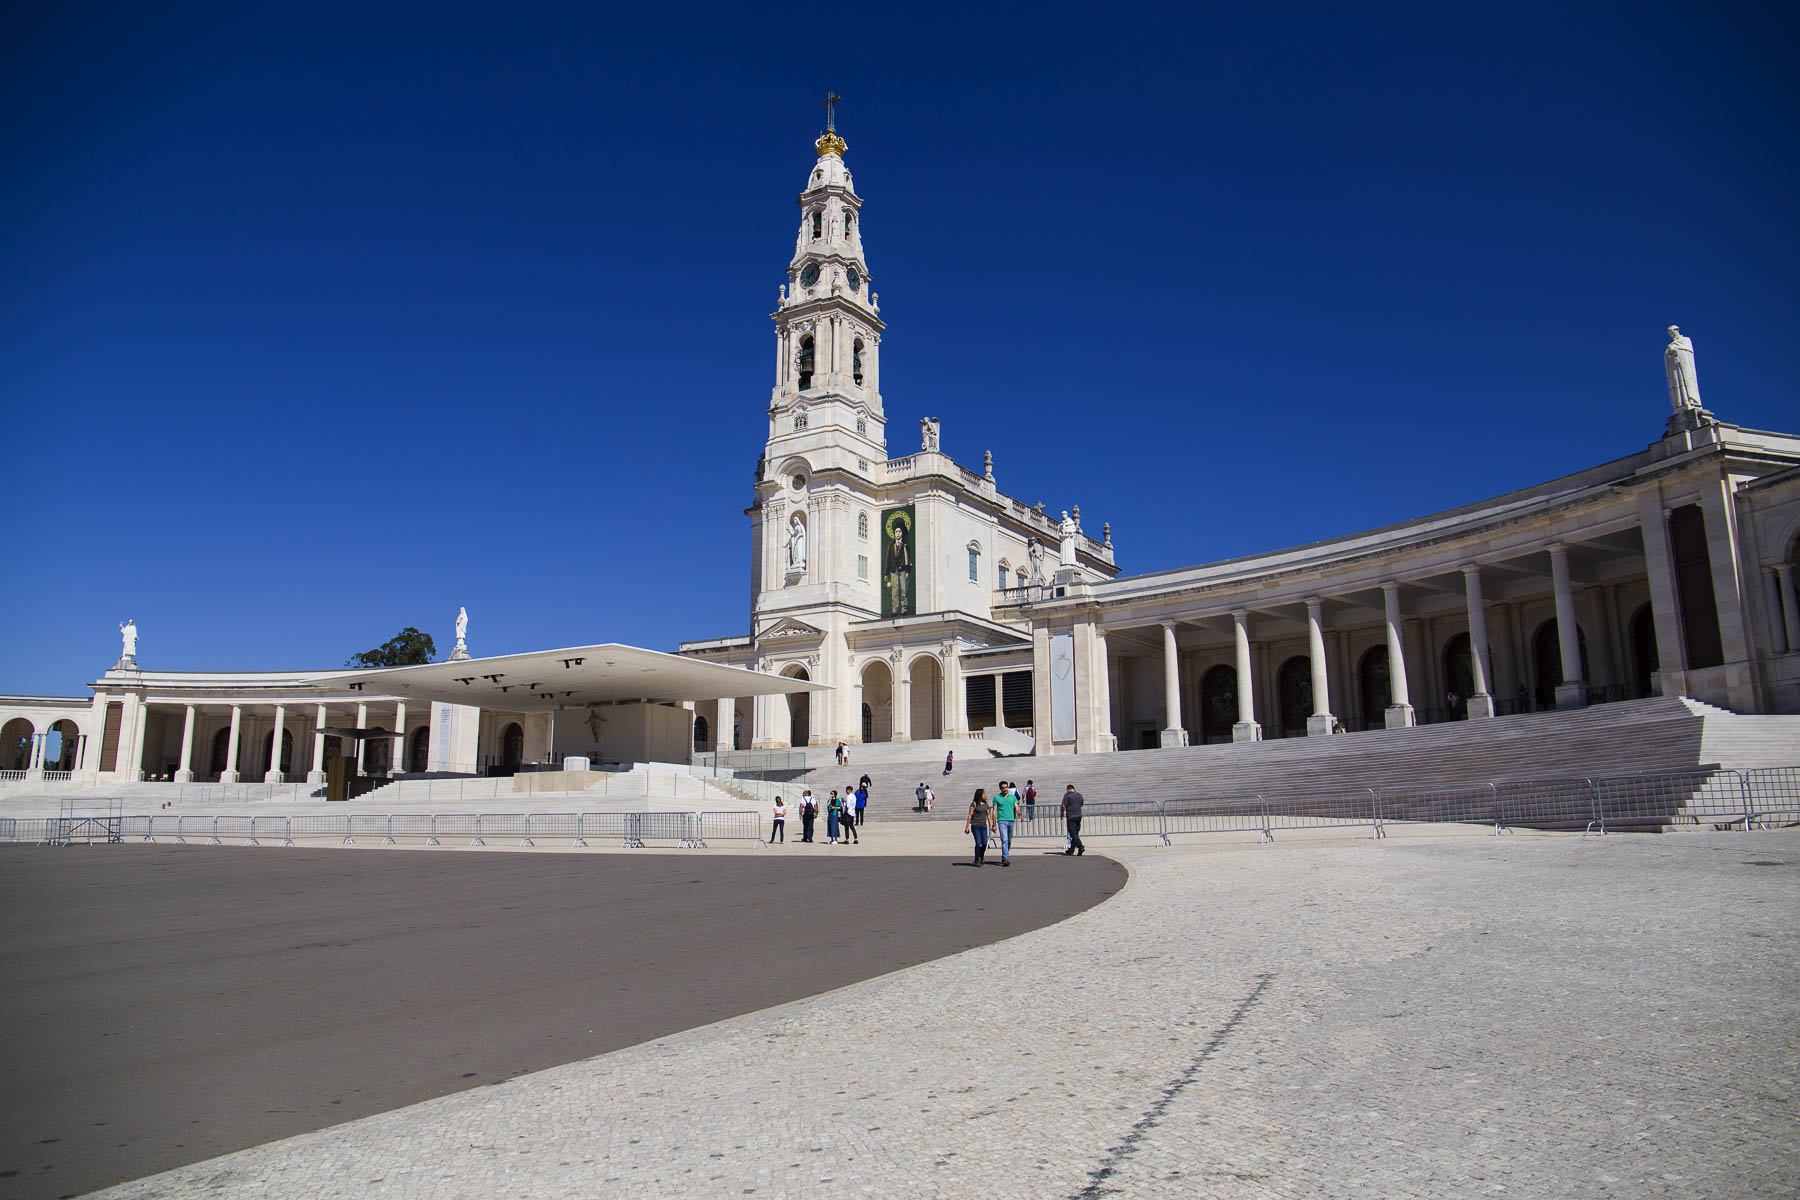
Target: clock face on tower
(853, 279)
(809, 274)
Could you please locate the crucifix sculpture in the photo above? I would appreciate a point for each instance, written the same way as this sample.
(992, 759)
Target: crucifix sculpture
(829, 104)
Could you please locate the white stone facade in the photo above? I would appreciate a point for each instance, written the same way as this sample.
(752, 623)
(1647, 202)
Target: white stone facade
(1674, 567)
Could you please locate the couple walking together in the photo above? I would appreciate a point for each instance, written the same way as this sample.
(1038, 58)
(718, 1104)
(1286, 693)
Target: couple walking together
(996, 817)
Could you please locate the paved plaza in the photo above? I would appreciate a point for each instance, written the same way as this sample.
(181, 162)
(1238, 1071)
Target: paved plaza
(1445, 1013)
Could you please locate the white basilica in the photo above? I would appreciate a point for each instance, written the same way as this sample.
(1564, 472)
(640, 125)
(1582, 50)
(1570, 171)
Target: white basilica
(904, 596)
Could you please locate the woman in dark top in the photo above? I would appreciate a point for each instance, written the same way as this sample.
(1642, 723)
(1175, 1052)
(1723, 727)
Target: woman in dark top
(980, 822)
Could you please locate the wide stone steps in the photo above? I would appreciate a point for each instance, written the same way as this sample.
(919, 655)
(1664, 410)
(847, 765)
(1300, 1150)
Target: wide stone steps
(1632, 738)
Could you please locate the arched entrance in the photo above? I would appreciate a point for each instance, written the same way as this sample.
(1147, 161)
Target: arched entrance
(927, 698)
(1218, 703)
(1644, 660)
(702, 740)
(512, 748)
(799, 710)
(221, 749)
(1373, 689)
(15, 745)
(418, 751)
(378, 756)
(59, 751)
(1546, 661)
(878, 702)
(1293, 685)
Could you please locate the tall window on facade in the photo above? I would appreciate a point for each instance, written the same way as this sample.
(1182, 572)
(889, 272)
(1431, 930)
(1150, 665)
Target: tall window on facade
(1003, 577)
(806, 362)
(862, 566)
(856, 361)
(849, 220)
(799, 420)
(818, 224)
(862, 526)
(974, 566)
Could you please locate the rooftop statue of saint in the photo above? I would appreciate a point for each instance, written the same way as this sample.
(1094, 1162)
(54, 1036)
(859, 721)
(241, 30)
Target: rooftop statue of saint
(129, 632)
(1678, 364)
(1068, 530)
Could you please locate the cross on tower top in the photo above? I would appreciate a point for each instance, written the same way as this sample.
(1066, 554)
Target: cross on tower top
(829, 104)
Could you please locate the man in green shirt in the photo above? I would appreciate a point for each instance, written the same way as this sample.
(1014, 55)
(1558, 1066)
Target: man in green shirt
(1006, 806)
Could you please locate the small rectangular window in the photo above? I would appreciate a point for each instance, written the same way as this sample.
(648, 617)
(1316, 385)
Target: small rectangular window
(862, 566)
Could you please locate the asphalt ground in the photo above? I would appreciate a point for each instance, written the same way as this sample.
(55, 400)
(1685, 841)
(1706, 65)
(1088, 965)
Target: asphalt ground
(166, 1004)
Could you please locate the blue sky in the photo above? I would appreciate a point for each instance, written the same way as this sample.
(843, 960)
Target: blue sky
(319, 321)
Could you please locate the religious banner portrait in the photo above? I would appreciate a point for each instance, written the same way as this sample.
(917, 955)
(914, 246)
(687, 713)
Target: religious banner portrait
(899, 558)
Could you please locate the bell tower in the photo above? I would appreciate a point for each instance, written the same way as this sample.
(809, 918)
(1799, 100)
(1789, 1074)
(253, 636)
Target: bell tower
(827, 328)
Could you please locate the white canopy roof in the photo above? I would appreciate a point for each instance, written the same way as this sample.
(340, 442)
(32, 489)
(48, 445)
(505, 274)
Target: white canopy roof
(571, 678)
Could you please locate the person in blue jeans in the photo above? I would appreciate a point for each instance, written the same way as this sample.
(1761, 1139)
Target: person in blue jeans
(1006, 808)
(862, 801)
(980, 822)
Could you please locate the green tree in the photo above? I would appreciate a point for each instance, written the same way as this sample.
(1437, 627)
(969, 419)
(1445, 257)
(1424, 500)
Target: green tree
(408, 648)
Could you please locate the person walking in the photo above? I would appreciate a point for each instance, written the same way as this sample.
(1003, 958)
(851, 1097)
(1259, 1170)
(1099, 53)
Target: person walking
(919, 794)
(1006, 807)
(809, 812)
(949, 760)
(1030, 800)
(847, 823)
(778, 823)
(930, 799)
(862, 800)
(834, 816)
(1071, 810)
(980, 822)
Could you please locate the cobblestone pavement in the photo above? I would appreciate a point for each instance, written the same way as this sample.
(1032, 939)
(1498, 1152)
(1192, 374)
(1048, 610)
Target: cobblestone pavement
(1435, 1015)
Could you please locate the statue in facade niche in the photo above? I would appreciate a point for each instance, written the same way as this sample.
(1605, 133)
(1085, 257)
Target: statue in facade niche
(128, 631)
(1068, 531)
(1678, 364)
(1035, 552)
(796, 544)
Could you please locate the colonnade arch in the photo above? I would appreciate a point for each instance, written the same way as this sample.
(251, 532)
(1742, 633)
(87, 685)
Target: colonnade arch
(1218, 703)
(1293, 688)
(512, 749)
(418, 751)
(927, 716)
(878, 701)
(15, 744)
(1373, 691)
(799, 709)
(1645, 660)
(64, 738)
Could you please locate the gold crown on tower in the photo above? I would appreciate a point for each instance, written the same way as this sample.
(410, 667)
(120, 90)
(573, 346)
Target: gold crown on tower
(831, 143)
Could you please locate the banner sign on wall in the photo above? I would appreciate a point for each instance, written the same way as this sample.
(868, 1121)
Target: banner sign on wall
(899, 563)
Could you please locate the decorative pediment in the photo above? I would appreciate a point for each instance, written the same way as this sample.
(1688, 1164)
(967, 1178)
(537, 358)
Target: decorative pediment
(788, 631)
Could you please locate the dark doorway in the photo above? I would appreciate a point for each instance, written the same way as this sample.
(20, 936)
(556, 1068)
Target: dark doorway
(1218, 703)
(1372, 689)
(1293, 684)
(1546, 661)
(512, 749)
(1644, 660)
(221, 747)
(418, 751)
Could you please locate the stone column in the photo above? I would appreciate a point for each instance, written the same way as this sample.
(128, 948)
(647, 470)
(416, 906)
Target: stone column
(1790, 611)
(1173, 734)
(1400, 709)
(1659, 571)
(362, 744)
(1104, 738)
(186, 773)
(724, 717)
(397, 759)
(902, 701)
(956, 710)
(999, 699)
(317, 774)
(1572, 691)
(1505, 683)
(1320, 723)
(230, 773)
(274, 773)
(1481, 704)
(1718, 509)
(1246, 729)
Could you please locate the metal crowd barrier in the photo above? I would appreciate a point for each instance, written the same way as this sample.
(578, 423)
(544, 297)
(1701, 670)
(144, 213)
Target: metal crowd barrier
(1748, 799)
(729, 826)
